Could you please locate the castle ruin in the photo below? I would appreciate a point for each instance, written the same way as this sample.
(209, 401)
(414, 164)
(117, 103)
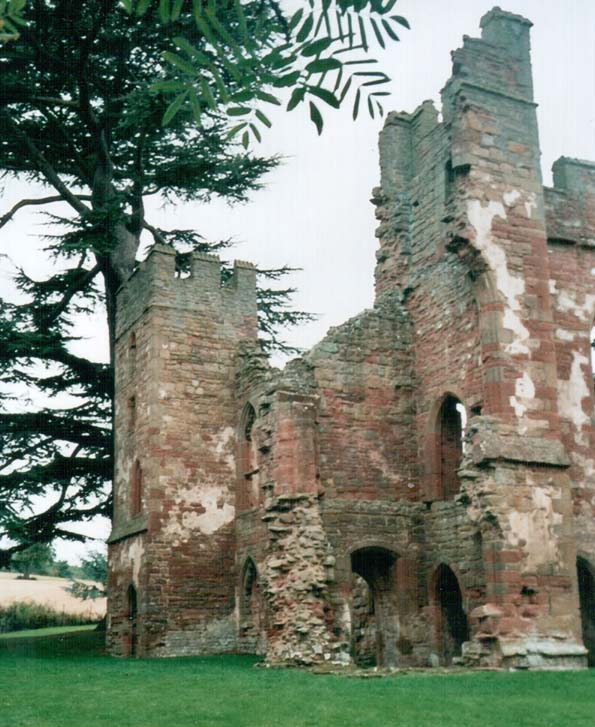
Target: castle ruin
(417, 489)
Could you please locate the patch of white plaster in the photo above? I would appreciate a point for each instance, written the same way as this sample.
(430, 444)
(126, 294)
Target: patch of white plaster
(566, 302)
(136, 551)
(571, 393)
(524, 395)
(587, 464)
(217, 512)
(225, 447)
(511, 287)
(511, 198)
(530, 204)
(563, 334)
(533, 530)
(184, 520)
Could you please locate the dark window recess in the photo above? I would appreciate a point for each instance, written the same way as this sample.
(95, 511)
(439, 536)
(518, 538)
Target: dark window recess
(450, 433)
(136, 488)
(453, 627)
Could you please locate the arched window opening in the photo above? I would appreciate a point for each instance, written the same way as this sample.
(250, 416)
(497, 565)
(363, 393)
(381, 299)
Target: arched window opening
(586, 594)
(132, 343)
(136, 489)
(452, 625)
(132, 620)
(374, 608)
(251, 611)
(248, 485)
(451, 431)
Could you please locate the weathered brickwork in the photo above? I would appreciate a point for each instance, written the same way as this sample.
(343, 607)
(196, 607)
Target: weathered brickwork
(419, 488)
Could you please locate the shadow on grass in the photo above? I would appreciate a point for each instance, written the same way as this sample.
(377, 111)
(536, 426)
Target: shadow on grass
(88, 643)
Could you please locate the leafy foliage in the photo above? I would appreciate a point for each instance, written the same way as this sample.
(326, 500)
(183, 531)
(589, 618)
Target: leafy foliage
(107, 102)
(320, 52)
(11, 18)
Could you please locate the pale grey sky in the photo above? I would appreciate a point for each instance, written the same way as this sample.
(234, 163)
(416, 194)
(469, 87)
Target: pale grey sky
(314, 212)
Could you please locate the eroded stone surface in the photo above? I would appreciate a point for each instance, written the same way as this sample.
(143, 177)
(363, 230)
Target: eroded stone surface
(329, 512)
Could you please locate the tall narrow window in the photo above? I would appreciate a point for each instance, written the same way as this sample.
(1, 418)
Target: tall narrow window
(136, 489)
(248, 485)
(450, 436)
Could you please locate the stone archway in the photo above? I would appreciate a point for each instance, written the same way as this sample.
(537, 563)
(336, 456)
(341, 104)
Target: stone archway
(586, 594)
(452, 627)
(251, 611)
(375, 627)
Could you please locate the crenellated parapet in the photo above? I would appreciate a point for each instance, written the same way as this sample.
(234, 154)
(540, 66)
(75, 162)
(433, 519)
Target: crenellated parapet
(570, 203)
(157, 281)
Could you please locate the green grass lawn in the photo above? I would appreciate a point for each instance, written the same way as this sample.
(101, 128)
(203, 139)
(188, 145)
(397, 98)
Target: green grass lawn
(64, 681)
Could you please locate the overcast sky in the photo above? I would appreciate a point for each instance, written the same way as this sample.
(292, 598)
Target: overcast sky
(314, 212)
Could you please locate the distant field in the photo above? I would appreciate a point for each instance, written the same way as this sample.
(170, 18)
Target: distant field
(65, 681)
(48, 591)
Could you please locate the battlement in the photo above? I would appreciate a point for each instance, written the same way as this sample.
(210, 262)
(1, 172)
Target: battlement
(574, 175)
(499, 62)
(201, 287)
(570, 204)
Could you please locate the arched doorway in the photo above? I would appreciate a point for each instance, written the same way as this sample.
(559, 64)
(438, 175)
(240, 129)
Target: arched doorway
(452, 626)
(132, 620)
(375, 627)
(251, 611)
(586, 594)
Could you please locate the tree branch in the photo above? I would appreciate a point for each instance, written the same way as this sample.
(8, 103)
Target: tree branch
(5, 219)
(46, 168)
(157, 236)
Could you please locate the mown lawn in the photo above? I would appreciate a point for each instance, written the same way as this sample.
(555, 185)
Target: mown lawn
(63, 681)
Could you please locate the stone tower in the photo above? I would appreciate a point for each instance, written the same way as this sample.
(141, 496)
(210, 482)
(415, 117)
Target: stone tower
(419, 488)
(172, 545)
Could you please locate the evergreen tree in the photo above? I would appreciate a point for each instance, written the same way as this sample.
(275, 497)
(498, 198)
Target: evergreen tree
(107, 103)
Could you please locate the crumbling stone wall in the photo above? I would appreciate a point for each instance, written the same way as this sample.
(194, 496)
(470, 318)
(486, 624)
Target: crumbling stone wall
(270, 497)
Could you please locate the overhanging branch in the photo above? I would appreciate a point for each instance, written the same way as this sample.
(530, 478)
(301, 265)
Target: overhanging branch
(6, 218)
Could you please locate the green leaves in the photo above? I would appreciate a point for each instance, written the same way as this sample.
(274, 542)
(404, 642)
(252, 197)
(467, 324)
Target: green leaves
(242, 50)
(316, 117)
(11, 19)
(324, 65)
(174, 107)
